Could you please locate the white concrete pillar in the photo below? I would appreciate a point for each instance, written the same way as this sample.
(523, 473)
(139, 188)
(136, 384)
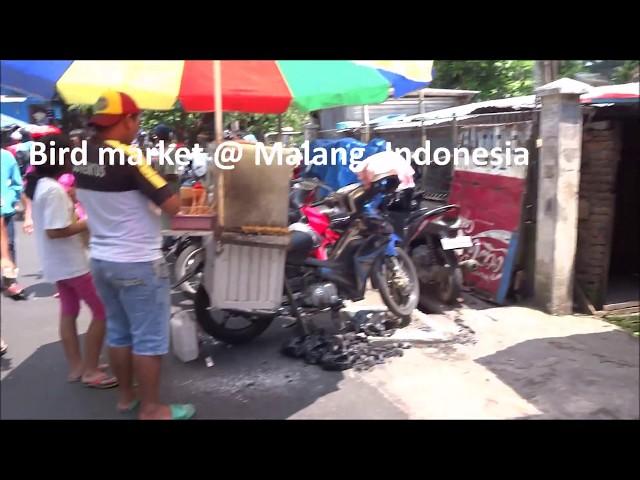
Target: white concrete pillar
(558, 186)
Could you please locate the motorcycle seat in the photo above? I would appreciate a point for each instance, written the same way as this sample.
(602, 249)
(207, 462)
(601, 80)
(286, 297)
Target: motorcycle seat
(300, 245)
(429, 212)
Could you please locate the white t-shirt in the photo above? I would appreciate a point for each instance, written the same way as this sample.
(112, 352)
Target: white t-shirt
(61, 258)
(125, 226)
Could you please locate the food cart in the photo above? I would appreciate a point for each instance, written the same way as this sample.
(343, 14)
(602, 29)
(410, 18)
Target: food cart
(243, 211)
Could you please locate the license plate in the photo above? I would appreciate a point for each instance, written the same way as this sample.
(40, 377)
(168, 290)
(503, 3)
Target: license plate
(456, 242)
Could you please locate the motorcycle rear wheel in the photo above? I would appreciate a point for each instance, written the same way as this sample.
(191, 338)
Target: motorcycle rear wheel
(214, 322)
(449, 288)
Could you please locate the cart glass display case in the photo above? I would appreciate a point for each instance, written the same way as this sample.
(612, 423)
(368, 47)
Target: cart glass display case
(245, 255)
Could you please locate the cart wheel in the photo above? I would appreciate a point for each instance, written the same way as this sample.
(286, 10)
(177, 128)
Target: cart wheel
(226, 326)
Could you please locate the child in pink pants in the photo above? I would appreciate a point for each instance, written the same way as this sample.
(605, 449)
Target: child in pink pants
(58, 231)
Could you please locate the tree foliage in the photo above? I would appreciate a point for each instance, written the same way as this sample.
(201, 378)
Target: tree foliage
(493, 78)
(627, 72)
(508, 78)
(175, 118)
(612, 71)
(258, 124)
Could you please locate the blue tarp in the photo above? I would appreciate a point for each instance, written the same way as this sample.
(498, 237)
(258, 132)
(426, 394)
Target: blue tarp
(339, 175)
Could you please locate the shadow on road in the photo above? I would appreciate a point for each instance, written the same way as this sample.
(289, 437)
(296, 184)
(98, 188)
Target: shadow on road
(590, 376)
(37, 276)
(40, 290)
(5, 363)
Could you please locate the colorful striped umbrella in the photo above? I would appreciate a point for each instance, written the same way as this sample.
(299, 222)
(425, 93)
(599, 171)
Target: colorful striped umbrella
(405, 76)
(262, 86)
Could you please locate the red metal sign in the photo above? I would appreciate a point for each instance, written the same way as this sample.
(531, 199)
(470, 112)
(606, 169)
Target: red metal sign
(491, 208)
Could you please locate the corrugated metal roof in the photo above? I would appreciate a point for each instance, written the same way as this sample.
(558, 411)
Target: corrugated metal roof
(442, 92)
(611, 93)
(527, 102)
(407, 124)
(408, 106)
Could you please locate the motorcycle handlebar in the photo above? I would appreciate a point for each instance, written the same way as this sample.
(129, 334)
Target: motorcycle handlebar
(315, 183)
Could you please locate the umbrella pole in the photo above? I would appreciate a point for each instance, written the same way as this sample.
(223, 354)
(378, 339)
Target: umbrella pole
(280, 127)
(365, 118)
(217, 100)
(217, 104)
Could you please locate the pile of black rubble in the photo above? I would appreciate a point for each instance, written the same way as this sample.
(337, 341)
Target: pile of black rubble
(350, 348)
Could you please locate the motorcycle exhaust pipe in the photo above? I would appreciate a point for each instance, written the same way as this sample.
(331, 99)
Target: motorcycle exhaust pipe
(469, 265)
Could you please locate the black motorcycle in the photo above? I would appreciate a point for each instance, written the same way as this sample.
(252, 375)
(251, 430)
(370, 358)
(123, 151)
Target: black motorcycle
(185, 253)
(367, 249)
(431, 235)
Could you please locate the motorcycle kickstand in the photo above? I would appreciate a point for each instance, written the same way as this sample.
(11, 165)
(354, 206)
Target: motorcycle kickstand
(300, 321)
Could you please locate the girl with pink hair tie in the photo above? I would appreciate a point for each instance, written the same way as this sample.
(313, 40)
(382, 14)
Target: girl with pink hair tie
(68, 182)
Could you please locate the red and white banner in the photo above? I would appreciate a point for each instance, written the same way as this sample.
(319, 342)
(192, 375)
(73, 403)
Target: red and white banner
(491, 200)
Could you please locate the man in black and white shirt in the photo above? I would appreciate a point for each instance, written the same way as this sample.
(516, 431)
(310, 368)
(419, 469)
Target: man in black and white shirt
(122, 201)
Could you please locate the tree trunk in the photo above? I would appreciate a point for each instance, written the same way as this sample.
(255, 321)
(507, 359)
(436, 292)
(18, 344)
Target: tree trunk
(546, 71)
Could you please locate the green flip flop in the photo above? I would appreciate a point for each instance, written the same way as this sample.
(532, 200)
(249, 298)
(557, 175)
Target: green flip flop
(132, 406)
(182, 411)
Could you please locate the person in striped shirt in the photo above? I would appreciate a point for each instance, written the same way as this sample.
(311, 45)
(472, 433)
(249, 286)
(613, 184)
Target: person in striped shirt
(123, 202)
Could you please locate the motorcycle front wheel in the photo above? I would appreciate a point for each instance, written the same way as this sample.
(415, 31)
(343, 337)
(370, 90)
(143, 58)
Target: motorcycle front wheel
(397, 281)
(225, 326)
